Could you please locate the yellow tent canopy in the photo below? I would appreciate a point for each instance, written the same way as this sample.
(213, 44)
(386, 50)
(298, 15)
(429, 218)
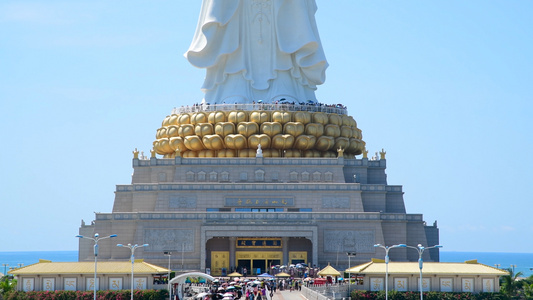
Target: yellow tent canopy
(235, 274)
(329, 271)
(283, 274)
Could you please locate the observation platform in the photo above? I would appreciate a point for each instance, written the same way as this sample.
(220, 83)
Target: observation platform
(309, 107)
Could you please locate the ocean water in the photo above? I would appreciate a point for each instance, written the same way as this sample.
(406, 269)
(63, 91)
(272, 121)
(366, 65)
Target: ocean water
(502, 260)
(522, 261)
(13, 259)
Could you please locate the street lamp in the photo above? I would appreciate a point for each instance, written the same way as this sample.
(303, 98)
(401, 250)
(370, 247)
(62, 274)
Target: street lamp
(350, 254)
(420, 250)
(5, 268)
(168, 253)
(96, 239)
(387, 248)
(132, 248)
(512, 267)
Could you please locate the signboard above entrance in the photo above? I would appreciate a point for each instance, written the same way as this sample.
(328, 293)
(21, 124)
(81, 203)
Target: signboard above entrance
(258, 243)
(259, 202)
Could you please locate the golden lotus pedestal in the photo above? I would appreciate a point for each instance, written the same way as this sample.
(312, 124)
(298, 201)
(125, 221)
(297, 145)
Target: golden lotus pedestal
(238, 132)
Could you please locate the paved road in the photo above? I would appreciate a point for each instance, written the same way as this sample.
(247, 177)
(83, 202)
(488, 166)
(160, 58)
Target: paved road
(288, 295)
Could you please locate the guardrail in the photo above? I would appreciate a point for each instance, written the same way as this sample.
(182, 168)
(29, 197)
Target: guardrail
(311, 107)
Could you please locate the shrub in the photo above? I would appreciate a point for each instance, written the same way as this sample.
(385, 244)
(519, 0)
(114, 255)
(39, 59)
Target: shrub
(87, 295)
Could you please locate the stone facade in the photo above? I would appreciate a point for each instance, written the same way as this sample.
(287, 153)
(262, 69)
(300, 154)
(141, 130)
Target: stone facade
(215, 213)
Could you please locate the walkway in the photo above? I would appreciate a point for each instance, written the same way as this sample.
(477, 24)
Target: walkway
(288, 295)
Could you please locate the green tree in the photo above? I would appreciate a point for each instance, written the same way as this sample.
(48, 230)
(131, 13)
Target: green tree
(509, 284)
(7, 284)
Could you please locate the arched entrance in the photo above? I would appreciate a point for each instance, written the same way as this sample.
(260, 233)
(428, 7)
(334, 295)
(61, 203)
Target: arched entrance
(178, 285)
(252, 256)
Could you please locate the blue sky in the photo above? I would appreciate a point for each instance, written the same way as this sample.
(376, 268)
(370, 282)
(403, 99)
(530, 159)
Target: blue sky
(445, 87)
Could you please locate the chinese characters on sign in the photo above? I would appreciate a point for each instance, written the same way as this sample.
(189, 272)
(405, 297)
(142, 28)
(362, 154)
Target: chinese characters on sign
(259, 202)
(258, 243)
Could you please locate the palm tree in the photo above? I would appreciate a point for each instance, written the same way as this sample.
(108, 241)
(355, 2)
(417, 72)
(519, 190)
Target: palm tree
(509, 286)
(7, 285)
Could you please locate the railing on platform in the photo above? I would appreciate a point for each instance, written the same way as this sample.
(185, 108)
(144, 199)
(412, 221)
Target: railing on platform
(329, 291)
(310, 107)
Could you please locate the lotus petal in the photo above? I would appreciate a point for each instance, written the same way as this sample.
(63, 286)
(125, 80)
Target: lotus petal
(281, 117)
(203, 129)
(194, 143)
(235, 141)
(294, 128)
(271, 128)
(283, 141)
(186, 130)
(224, 128)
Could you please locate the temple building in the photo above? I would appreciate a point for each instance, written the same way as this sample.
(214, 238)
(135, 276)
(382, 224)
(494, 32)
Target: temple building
(260, 173)
(231, 206)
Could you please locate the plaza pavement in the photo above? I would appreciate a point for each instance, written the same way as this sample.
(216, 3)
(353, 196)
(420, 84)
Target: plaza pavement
(288, 295)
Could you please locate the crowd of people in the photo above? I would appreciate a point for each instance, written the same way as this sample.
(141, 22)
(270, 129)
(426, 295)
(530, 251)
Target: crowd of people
(259, 105)
(248, 289)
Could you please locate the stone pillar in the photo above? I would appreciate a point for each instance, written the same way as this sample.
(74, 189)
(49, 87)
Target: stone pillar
(203, 242)
(314, 240)
(232, 245)
(285, 249)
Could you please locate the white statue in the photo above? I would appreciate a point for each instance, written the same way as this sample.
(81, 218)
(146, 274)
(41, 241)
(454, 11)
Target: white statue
(258, 50)
(259, 152)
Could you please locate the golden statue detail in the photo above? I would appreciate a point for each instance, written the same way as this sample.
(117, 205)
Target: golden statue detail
(382, 154)
(340, 152)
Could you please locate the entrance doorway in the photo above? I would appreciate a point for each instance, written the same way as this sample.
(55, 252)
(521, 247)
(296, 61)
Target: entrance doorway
(257, 262)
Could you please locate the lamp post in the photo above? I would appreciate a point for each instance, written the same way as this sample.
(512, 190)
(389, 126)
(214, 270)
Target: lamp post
(5, 268)
(96, 239)
(168, 253)
(512, 267)
(387, 248)
(421, 250)
(132, 248)
(350, 254)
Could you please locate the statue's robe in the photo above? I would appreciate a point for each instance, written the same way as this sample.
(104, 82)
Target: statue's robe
(258, 50)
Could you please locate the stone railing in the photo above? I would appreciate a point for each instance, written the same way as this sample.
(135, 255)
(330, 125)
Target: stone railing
(311, 107)
(329, 292)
